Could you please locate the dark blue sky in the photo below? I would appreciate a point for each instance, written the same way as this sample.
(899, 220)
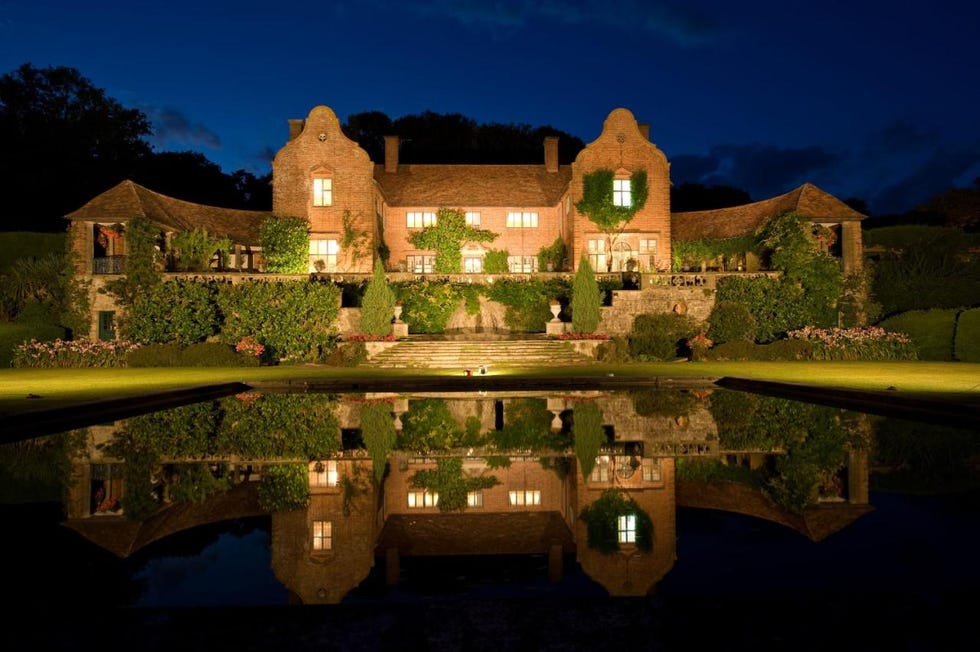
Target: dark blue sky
(874, 99)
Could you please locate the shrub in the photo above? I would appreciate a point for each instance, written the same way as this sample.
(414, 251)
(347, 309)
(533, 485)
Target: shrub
(859, 343)
(730, 321)
(215, 354)
(348, 354)
(660, 336)
(585, 299)
(155, 355)
(966, 345)
(931, 331)
(615, 350)
(13, 335)
(377, 307)
(72, 353)
(552, 257)
(285, 244)
(183, 311)
(495, 261)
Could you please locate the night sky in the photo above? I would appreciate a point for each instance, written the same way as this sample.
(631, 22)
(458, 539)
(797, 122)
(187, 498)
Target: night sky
(871, 99)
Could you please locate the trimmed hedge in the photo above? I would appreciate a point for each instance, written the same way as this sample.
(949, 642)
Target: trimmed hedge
(931, 331)
(661, 336)
(966, 344)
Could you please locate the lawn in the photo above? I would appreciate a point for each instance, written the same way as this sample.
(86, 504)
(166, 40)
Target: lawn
(27, 390)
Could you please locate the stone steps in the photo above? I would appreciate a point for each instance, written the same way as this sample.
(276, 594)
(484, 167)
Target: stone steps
(470, 354)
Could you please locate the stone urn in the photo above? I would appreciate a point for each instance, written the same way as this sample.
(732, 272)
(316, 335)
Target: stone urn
(555, 309)
(398, 312)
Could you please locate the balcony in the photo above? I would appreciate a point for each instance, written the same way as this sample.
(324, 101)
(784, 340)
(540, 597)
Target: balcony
(108, 265)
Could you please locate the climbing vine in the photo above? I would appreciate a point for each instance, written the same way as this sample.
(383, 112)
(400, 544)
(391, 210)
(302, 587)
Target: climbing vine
(446, 237)
(597, 202)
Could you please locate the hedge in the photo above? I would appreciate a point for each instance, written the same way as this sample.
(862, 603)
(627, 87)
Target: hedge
(931, 331)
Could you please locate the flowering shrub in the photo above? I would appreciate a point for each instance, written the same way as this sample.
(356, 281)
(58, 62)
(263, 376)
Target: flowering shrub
(582, 336)
(249, 346)
(858, 343)
(73, 353)
(698, 345)
(365, 337)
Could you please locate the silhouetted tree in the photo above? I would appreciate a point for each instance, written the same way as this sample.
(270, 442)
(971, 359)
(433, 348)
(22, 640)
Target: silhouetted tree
(63, 141)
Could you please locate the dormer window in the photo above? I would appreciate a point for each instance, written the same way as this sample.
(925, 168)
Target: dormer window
(322, 191)
(622, 193)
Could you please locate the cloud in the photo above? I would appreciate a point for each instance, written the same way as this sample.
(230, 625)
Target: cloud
(761, 170)
(945, 168)
(675, 21)
(172, 127)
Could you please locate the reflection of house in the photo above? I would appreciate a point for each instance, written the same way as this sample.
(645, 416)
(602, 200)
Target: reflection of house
(354, 206)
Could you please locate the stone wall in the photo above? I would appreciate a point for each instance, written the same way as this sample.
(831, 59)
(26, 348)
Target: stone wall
(617, 319)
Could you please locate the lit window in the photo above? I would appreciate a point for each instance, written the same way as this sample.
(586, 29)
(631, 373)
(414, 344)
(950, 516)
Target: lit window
(420, 264)
(472, 265)
(522, 264)
(417, 220)
(527, 497)
(420, 499)
(597, 254)
(648, 246)
(474, 498)
(651, 470)
(627, 528)
(322, 535)
(522, 219)
(322, 192)
(600, 472)
(323, 474)
(472, 218)
(323, 255)
(622, 196)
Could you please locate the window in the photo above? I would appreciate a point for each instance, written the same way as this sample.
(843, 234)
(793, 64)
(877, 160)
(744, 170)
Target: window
(474, 498)
(472, 265)
(622, 195)
(323, 474)
(420, 499)
(526, 497)
(323, 255)
(648, 246)
(597, 254)
(519, 219)
(522, 264)
(322, 191)
(417, 220)
(651, 470)
(472, 218)
(322, 535)
(420, 264)
(627, 528)
(107, 325)
(600, 472)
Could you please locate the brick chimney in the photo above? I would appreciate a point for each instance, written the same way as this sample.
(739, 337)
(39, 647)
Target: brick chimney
(296, 127)
(391, 153)
(644, 130)
(551, 153)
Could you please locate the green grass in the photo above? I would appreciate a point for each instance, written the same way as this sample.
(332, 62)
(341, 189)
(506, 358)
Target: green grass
(61, 387)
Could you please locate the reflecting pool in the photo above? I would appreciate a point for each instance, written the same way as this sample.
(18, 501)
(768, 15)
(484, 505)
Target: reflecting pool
(649, 515)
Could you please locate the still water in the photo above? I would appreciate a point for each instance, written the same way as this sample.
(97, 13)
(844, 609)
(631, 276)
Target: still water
(670, 515)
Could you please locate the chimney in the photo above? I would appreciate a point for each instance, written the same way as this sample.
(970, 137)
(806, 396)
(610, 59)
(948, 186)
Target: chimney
(644, 130)
(296, 127)
(391, 153)
(551, 153)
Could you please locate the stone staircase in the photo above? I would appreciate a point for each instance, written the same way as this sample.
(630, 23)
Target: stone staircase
(470, 354)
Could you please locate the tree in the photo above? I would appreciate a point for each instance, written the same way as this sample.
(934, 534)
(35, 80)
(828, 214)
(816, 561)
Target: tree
(586, 303)
(63, 141)
(285, 244)
(445, 238)
(598, 205)
(378, 304)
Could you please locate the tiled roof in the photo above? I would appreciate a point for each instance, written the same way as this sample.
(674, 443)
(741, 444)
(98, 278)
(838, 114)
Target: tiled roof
(455, 186)
(809, 201)
(127, 200)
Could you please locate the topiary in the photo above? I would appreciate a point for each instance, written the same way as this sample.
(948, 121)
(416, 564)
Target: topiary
(729, 322)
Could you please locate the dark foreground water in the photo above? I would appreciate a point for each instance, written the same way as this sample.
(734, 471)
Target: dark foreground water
(775, 525)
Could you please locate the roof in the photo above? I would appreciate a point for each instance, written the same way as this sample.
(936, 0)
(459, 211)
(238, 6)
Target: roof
(127, 200)
(810, 202)
(473, 185)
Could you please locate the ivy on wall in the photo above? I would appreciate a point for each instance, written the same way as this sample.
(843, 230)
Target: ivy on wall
(446, 237)
(285, 244)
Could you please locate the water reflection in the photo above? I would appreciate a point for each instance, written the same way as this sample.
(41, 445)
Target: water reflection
(360, 485)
